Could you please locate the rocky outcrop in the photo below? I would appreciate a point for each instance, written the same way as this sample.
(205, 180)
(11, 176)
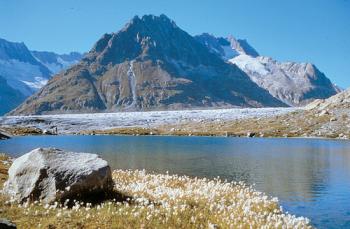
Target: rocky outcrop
(339, 101)
(50, 174)
(150, 64)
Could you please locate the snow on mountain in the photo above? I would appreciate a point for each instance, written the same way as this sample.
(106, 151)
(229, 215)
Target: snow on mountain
(242, 46)
(22, 73)
(21, 70)
(150, 64)
(293, 83)
(226, 48)
(57, 62)
(251, 64)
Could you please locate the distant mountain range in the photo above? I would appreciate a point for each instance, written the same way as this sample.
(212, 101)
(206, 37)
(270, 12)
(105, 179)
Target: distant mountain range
(152, 64)
(24, 72)
(295, 84)
(56, 62)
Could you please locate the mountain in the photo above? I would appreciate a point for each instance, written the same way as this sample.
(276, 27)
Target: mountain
(57, 62)
(293, 83)
(9, 97)
(21, 70)
(149, 64)
(226, 48)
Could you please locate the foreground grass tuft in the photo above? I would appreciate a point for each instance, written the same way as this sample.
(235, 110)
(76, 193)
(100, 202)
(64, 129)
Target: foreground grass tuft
(160, 201)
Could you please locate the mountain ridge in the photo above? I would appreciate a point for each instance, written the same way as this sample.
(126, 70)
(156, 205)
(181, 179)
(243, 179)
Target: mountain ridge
(293, 83)
(23, 73)
(149, 64)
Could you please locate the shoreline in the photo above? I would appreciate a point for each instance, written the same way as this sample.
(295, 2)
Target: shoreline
(159, 200)
(254, 122)
(184, 135)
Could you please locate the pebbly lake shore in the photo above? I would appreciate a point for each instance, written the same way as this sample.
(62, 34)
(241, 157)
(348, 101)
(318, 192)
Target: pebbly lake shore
(249, 122)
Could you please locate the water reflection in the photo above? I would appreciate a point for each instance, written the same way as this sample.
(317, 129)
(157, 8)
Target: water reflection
(311, 177)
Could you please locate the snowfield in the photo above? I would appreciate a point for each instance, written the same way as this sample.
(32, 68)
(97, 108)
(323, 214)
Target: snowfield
(73, 123)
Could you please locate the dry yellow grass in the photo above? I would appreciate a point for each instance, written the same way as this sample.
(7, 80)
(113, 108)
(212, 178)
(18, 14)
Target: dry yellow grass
(159, 201)
(295, 124)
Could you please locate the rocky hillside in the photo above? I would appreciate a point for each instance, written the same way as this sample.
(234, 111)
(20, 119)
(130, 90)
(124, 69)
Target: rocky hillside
(295, 84)
(149, 64)
(323, 118)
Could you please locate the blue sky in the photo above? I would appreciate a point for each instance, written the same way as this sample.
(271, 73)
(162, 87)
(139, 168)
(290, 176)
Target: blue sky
(316, 31)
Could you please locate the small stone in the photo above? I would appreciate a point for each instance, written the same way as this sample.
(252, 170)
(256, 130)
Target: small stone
(324, 112)
(250, 135)
(333, 119)
(341, 135)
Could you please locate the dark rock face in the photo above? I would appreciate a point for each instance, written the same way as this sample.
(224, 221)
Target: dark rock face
(242, 46)
(150, 64)
(4, 136)
(7, 224)
(9, 97)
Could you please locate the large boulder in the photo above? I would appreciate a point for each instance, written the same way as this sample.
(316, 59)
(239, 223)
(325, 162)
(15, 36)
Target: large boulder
(50, 174)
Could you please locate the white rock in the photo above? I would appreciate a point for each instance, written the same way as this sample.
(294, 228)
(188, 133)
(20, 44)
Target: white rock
(323, 112)
(50, 174)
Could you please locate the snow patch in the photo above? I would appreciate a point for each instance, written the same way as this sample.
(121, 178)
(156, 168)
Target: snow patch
(251, 64)
(37, 84)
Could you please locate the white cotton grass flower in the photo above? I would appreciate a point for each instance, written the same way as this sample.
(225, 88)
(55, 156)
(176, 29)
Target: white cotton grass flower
(169, 201)
(229, 204)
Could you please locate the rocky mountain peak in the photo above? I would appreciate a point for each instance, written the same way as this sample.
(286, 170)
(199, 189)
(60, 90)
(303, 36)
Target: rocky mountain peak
(150, 37)
(242, 46)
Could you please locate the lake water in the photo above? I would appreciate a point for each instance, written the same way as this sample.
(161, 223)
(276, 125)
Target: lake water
(311, 177)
